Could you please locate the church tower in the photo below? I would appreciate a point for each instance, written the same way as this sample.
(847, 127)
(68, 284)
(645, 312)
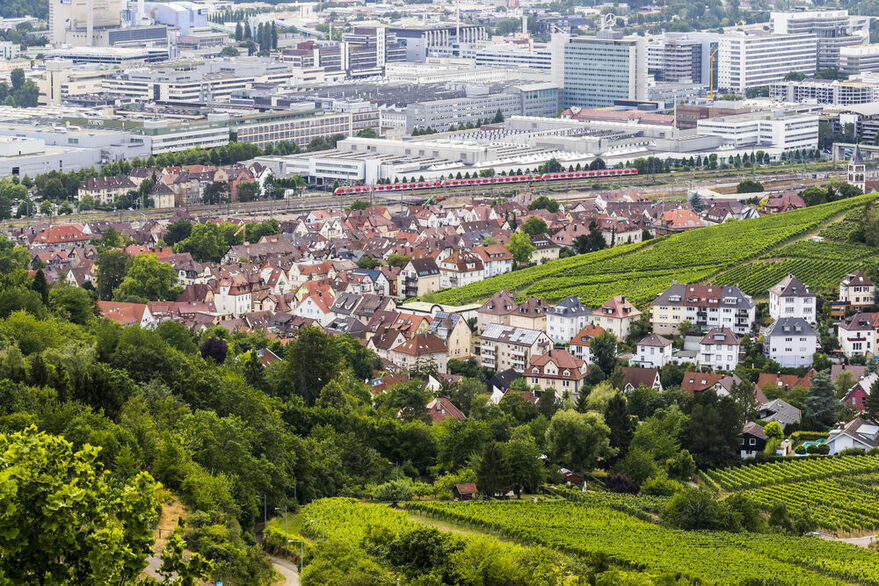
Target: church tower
(857, 170)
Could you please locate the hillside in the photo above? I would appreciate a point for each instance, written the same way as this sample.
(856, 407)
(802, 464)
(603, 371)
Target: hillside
(714, 254)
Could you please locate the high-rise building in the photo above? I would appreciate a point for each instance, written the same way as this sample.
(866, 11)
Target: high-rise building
(753, 60)
(834, 29)
(676, 60)
(74, 22)
(860, 59)
(597, 71)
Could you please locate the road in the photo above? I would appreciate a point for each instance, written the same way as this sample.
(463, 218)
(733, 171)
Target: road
(288, 570)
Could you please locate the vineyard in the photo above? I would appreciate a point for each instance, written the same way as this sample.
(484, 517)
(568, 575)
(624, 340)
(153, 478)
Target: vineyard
(728, 558)
(641, 271)
(848, 504)
(756, 278)
(797, 470)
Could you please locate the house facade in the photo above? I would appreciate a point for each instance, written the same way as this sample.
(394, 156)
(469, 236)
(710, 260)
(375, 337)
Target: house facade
(791, 298)
(654, 351)
(502, 347)
(791, 342)
(719, 349)
(705, 307)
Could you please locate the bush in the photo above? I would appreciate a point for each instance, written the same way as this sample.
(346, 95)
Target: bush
(621, 483)
(661, 485)
(394, 491)
(693, 510)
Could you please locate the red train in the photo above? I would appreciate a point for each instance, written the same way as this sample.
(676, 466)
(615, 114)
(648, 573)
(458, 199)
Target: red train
(497, 179)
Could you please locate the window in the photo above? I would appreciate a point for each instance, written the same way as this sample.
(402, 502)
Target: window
(752, 442)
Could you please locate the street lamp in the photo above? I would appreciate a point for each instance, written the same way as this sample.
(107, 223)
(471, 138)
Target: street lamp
(322, 538)
(285, 527)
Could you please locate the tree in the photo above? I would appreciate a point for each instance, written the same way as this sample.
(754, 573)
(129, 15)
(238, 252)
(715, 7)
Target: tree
(821, 404)
(498, 117)
(544, 203)
(526, 469)
(74, 304)
(177, 231)
(773, 430)
(408, 401)
(520, 247)
(214, 348)
(794, 76)
(239, 33)
(16, 77)
(617, 417)
(65, 520)
(248, 191)
(592, 241)
(712, 432)
(112, 266)
(494, 476)
(177, 571)
(41, 286)
(871, 410)
(603, 348)
(744, 393)
(215, 192)
(229, 51)
(398, 260)
(367, 132)
(148, 279)
(578, 439)
(552, 166)
(534, 226)
(312, 361)
(749, 186)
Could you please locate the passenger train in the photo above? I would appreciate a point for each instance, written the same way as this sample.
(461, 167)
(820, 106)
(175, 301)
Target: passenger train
(476, 181)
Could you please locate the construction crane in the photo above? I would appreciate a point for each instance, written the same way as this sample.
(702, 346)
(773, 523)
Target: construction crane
(711, 75)
(243, 228)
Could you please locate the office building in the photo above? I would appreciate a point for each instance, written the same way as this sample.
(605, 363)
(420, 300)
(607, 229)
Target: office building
(9, 50)
(362, 53)
(753, 60)
(860, 59)
(74, 22)
(420, 40)
(511, 55)
(834, 30)
(675, 60)
(783, 130)
(183, 16)
(597, 71)
(117, 56)
(824, 91)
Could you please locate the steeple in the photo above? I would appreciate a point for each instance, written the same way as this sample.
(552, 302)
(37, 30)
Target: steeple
(857, 170)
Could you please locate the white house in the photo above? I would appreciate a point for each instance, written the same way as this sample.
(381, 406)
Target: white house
(459, 269)
(857, 290)
(791, 342)
(654, 351)
(791, 298)
(616, 316)
(317, 307)
(719, 349)
(857, 334)
(565, 319)
(858, 433)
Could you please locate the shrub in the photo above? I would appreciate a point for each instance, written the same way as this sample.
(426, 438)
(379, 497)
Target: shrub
(661, 485)
(621, 483)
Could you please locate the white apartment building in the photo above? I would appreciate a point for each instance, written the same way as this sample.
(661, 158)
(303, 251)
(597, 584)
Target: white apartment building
(719, 349)
(705, 306)
(782, 130)
(752, 60)
(502, 347)
(791, 298)
(791, 342)
(835, 30)
(565, 319)
(652, 352)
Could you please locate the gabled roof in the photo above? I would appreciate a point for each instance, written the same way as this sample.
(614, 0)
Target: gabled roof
(618, 307)
(791, 326)
(441, 409)
(422, 345)
(790, 286)
(639, 376)
(723, 336)
(857, 278)
(695, 382)
(655, 340)
(752, 428)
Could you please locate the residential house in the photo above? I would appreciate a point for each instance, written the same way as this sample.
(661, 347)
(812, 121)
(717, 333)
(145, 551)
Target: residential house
(719, 350)
(858, 433)
(856, 290)
(565, 319)
(420, 351)
(860, 391)
(634, 377)
(616, 316)
(558, 370)
(544, 248)
(704, 307)
(752, 440)
(502, 347)
(654, 351)
(383, 339)
(316, 306)
(233, 296)
(128, 314)
(419, 277)
(787, 201)
(857, 334)
(496, 259)
(530, 314)
(452, 329)
(791, 342)
(678, 220)
(441, 408)
(465, 492)
(791, 298)
(579, 345)
(460, 268)
(496, 310)
(105, 190)
(777, 410)
(697, 382)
